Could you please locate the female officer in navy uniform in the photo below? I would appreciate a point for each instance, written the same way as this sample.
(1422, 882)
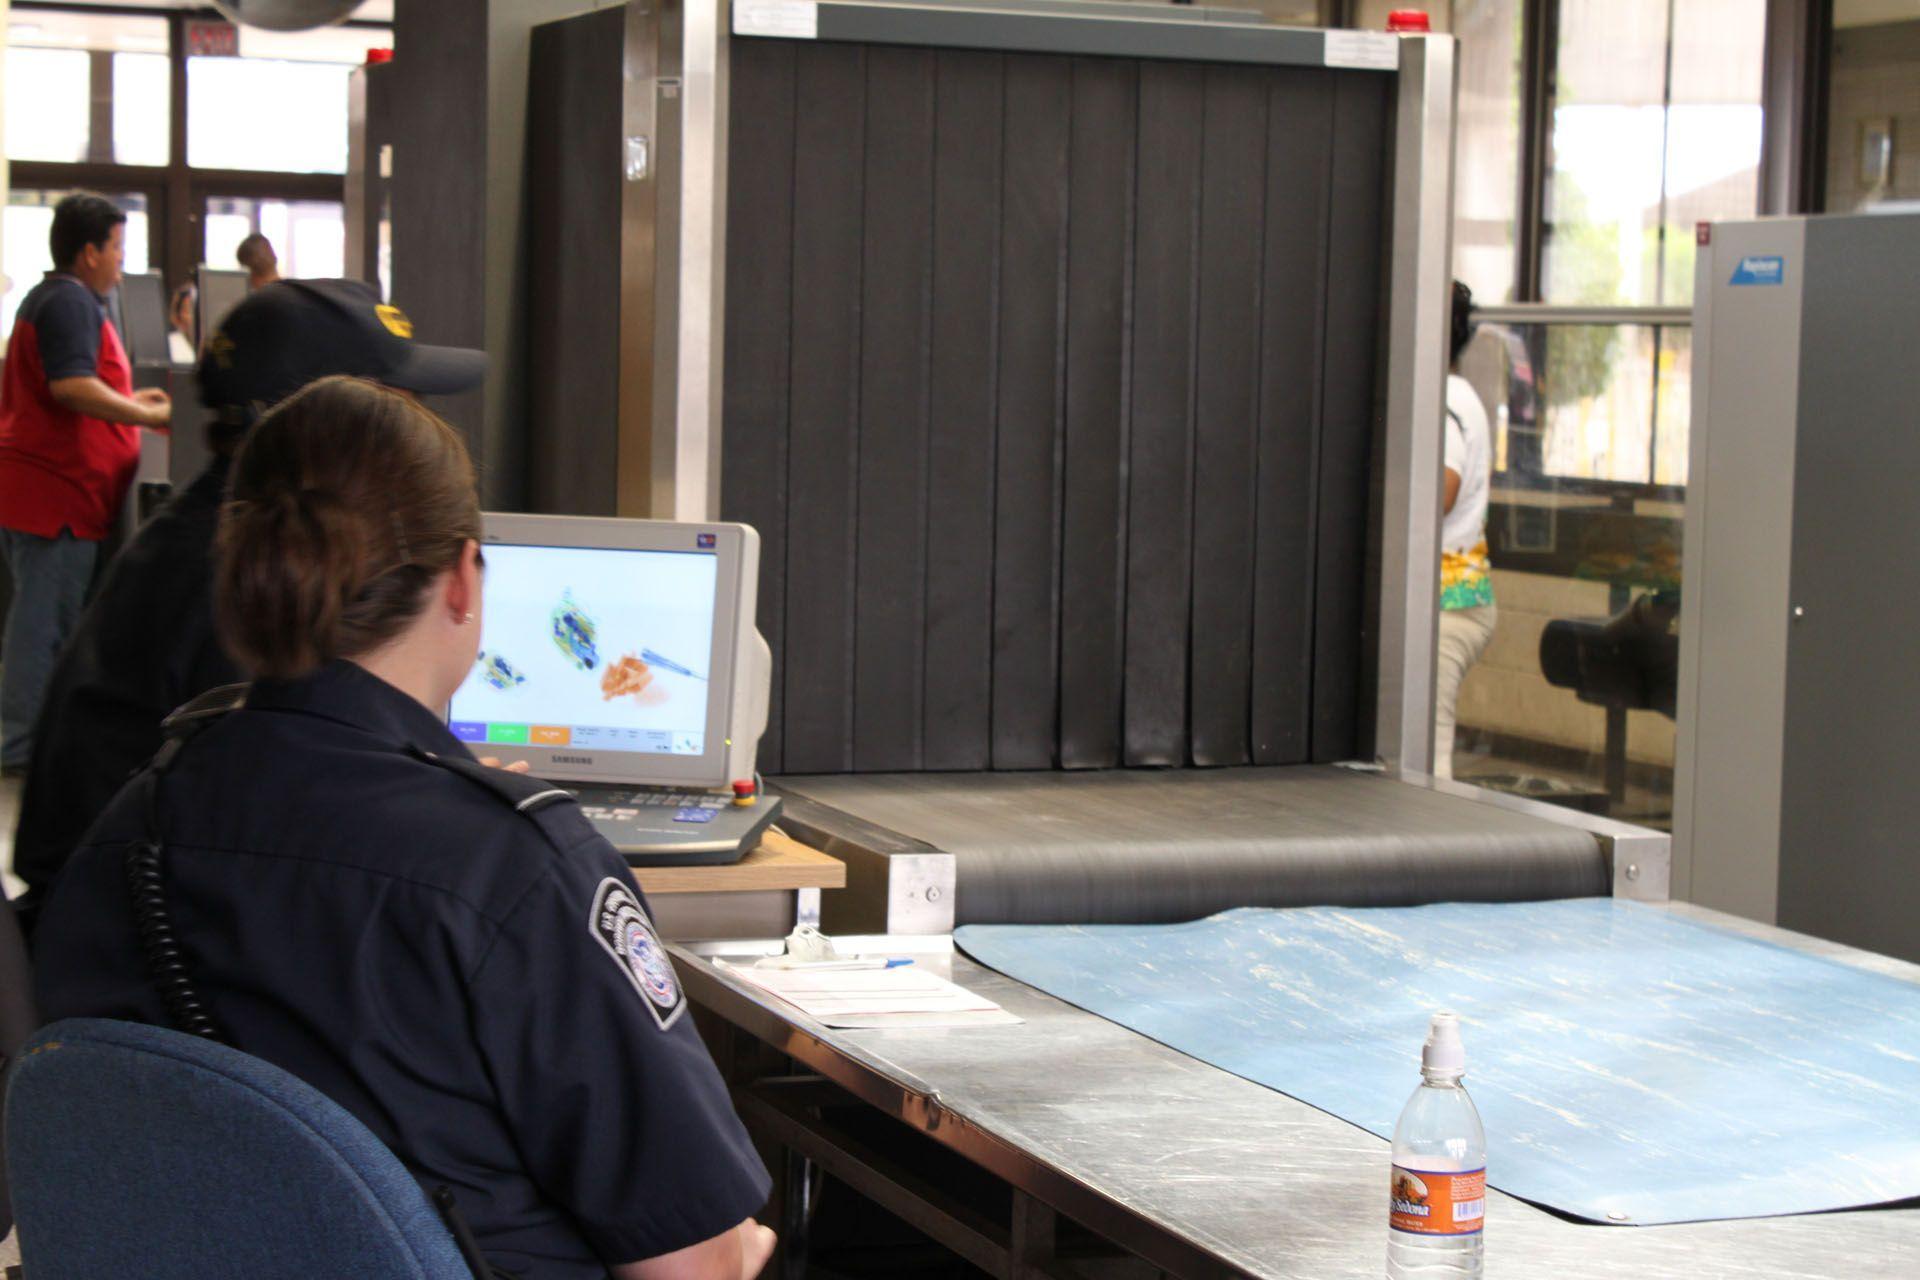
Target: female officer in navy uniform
(448, 951)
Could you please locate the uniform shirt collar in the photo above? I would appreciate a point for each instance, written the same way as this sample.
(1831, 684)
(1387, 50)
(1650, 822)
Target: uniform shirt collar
(347, 693)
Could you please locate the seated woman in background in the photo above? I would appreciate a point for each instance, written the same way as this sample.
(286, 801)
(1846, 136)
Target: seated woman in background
(448, 951)
(182, 344)
(1467, 612)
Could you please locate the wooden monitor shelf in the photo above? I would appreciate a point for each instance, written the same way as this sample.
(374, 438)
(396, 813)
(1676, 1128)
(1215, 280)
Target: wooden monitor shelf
(779, 864)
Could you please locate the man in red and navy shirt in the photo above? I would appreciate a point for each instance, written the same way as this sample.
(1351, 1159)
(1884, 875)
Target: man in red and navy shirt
(69, 442)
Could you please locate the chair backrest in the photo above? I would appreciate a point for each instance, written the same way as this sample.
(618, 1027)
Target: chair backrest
(136, 1150)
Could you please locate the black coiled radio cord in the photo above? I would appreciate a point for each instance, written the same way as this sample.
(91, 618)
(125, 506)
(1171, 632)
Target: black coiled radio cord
(167, 964)
(147, 894)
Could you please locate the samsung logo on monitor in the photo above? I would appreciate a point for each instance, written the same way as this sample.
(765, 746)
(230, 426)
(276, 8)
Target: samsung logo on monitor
(1758, 268)
(560, 759)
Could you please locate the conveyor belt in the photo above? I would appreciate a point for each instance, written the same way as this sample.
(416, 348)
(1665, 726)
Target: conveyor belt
(1144, 846)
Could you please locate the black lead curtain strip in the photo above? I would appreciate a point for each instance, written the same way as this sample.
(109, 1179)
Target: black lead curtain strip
(1051, 389)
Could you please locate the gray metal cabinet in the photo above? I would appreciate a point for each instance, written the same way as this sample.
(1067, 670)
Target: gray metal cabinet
(1799, 694)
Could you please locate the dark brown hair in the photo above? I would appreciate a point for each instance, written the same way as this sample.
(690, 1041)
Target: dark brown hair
(255, 252)
(79, 220)
(346, 502)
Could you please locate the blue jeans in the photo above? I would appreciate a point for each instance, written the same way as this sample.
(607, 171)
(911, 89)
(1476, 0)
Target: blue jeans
(50, 577)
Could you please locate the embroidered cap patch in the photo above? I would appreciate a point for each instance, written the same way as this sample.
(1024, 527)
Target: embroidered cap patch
(624, 930)
(395, 320)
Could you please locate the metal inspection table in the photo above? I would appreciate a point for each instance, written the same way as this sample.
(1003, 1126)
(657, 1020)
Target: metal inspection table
(1191, 1170)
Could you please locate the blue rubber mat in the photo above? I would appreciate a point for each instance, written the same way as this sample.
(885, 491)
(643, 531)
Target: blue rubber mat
(1631, 1066)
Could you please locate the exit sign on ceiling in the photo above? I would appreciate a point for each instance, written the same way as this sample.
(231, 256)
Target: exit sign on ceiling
(212, 39)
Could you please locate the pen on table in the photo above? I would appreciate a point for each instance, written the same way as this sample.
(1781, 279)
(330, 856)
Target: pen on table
(839, 963)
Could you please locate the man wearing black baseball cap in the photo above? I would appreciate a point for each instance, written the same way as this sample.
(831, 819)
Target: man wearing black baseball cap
(287, 334)
(146, 643)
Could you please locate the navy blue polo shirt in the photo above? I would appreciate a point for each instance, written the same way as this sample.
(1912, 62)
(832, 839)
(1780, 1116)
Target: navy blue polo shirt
(481, 987)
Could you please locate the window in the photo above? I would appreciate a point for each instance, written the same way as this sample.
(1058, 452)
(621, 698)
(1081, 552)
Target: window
(1609, 403)
(29, 219)
(1647, 121)
(89, 98)
(1487, 151)
(308, 235)
(282, 104)
(1714, 129)
(1604, 179)
(1655, 127)
(254, 113)
(60, 62)
(142, 108)
(1873, 105)
(47, 104)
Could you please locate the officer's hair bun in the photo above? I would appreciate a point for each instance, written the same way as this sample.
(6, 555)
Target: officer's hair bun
(347, 501)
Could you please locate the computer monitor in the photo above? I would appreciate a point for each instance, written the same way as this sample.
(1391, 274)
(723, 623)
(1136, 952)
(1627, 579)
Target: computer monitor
(143, 318)
(618, 651)
(221, 291)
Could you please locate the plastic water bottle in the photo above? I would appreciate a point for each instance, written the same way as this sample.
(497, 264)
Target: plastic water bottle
(1439, 1187)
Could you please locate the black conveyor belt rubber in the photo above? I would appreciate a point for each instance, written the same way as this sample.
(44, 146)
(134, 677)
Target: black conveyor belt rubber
(1137, 846)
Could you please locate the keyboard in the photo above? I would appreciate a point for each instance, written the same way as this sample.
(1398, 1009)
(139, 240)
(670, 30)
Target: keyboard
(673, 827)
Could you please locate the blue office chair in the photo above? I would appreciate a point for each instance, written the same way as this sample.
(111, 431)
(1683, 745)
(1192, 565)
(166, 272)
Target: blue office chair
(139, 1151)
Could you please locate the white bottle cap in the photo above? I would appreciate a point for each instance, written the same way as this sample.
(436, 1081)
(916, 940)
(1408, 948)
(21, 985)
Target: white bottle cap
(1444, 1054)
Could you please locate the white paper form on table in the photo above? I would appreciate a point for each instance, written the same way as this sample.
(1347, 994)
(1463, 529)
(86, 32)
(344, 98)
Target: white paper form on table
(905, 996)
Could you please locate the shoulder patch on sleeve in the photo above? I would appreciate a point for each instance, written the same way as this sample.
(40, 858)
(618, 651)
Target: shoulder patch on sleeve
(619, 925)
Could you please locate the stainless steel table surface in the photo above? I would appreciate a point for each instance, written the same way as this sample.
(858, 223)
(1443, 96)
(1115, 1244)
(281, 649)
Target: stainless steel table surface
(1130, 1137)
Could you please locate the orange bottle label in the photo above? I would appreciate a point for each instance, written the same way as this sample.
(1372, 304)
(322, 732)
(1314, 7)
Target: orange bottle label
(1438, 1204)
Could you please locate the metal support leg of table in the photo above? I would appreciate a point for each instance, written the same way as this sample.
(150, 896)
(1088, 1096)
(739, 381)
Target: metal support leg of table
(796, 1213)
(790, 1111)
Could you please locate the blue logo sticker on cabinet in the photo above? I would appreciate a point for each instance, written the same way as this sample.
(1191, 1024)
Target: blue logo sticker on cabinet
(1760, 269)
